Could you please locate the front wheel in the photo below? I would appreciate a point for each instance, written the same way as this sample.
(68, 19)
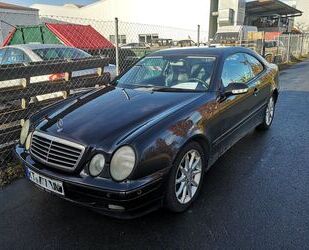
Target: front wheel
(186, 178)
(268, 115)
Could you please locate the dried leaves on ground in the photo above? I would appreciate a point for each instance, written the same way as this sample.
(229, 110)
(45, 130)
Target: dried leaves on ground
(10, 173)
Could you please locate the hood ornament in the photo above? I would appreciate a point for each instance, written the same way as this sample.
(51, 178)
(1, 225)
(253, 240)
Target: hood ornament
(59, 125)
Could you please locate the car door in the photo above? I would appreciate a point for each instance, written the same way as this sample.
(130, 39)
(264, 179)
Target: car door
(259, 84)
(235, 110)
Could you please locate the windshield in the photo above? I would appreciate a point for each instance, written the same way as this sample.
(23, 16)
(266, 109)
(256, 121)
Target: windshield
(226, 37)
(181, 73)
(60, 53)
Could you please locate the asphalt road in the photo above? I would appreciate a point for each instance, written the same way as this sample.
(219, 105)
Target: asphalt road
(256, 196)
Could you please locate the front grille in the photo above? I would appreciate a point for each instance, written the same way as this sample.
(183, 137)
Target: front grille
(56, 152)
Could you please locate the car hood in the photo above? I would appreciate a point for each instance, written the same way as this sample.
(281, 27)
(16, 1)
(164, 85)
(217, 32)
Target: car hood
(107, 117)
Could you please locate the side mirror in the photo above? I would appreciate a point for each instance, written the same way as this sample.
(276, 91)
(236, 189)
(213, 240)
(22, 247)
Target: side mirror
(236, 89)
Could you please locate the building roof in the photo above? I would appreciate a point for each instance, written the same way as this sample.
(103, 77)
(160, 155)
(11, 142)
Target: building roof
(271, 7)
(9, 6)
(79, 36)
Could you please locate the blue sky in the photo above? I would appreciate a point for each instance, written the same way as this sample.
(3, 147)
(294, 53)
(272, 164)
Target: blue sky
(54, 2)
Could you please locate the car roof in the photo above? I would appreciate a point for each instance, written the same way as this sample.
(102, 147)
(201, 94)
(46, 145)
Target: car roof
(203, 51)
(34, 46)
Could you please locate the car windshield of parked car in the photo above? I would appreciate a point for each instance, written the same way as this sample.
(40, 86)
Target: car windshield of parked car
(191, 73)
(60, 53)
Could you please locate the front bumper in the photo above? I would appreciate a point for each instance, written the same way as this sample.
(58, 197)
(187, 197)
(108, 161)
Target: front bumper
(136, 198)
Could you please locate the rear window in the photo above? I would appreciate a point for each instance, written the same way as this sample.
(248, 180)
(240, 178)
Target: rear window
(60, 53)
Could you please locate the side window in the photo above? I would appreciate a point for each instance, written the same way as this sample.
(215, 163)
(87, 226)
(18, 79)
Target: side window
(15, 56)
(255, 65)
(236, 69)
(2, 53)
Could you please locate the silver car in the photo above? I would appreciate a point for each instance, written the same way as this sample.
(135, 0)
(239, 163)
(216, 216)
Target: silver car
(25, 53)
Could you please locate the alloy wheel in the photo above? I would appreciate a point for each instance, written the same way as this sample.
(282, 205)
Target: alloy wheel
(270, 111)
(188, 176)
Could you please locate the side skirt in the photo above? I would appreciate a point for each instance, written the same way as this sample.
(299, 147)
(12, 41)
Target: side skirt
(218, 149)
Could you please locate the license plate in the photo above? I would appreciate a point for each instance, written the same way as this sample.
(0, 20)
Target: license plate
(45, 182)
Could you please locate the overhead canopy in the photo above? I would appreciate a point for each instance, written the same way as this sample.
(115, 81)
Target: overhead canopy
(79, 36)
(271, 8)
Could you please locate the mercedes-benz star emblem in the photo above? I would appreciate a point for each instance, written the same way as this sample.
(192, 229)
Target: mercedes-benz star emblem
(59, 125)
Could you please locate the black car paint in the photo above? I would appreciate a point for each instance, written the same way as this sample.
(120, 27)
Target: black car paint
(156, 124)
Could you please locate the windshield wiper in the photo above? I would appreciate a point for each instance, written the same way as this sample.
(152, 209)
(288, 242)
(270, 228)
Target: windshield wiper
(167, 89)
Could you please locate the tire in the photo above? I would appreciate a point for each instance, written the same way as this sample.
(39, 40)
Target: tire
(181, 202)
(269, 58)
(269, 114)
(278, 59)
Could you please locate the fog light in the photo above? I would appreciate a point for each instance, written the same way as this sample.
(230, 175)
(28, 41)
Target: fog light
(116, 207)
(96, 165)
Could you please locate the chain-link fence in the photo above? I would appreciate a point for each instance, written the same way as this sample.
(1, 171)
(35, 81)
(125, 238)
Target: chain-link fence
(49, 61)
(58, 56)
(282, 49)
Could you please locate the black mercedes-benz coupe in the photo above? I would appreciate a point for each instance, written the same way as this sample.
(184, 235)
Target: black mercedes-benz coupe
(146, 140)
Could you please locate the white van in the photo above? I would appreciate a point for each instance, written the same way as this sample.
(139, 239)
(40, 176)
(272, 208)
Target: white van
(230, 35)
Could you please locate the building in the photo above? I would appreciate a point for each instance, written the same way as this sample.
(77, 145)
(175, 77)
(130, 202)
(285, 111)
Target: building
(142, 15)
(302, 23)
(271, 15)
(173, 19)
(13, 15)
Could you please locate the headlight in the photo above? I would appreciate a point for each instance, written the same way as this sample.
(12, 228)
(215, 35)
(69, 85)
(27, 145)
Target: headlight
(24, 132)
(28, 141)
(122, 163)
(96, 165)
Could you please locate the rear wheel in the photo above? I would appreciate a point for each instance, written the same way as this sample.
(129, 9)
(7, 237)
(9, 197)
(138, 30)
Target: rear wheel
(269, 115)
(269, 58)
(186, 178)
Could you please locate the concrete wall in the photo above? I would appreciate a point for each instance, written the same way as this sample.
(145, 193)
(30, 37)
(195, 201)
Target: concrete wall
(303, 21)
(239, 7)
(168, 13)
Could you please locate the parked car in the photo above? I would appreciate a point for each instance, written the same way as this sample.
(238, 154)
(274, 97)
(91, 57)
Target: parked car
(185, 43)
(147, 140)
(275, 51)
(162, 43)
(25, 53)
(231, 35)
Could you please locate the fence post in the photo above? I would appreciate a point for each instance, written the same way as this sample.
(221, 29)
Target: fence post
(278, 51)
(198, 35)
(117, 45)
(263, 48)
(289, 48)
(302, 45)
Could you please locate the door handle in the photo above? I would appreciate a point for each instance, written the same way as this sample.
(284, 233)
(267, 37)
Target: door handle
(256, 91)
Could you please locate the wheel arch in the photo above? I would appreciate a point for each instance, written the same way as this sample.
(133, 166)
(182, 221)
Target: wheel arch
(202, 140)
(276, 95)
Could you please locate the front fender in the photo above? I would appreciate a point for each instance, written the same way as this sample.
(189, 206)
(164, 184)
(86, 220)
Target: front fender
(158, 147)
